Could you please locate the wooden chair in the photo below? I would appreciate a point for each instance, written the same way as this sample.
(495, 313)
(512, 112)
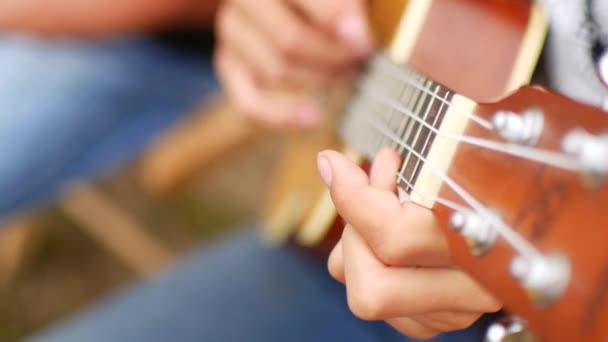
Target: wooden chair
(178, 157)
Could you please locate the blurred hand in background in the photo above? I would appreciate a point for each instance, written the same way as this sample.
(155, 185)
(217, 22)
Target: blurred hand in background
(269, 46)
(102, 17)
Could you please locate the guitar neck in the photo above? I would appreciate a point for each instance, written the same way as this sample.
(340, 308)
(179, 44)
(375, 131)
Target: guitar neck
(399, 107)
(508, 182)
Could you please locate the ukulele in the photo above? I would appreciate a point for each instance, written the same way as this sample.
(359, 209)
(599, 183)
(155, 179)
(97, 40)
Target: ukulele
(516, 181)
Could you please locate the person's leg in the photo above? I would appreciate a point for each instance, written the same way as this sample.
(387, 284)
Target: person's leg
(73, 109)
(235, 290)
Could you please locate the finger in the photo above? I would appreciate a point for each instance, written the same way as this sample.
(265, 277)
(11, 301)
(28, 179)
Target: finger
(399, 235)
(293, 37)
(249, 100)
(412, 328)
(447, 321)
(383, 172)
(376, 291)
(346, 19)
(267, 64)
(335, 264)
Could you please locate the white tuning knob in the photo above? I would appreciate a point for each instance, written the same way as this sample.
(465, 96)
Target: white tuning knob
(509, 329)
(479, 232)
(590, 150)
(545, 277)
(521, 129)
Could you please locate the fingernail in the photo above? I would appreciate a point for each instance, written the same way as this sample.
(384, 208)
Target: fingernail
(324, 169)
(353, 30)
(308, 116)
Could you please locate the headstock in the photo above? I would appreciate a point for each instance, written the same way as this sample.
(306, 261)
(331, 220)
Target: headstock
(548, 257)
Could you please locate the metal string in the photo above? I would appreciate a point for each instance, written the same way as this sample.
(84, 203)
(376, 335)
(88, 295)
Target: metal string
(424, 118)
(554, 159)
(450, 204)
(399, 73)
(511, 236)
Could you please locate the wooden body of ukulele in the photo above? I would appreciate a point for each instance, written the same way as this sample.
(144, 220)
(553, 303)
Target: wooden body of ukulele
(482, 49)
(485, 50)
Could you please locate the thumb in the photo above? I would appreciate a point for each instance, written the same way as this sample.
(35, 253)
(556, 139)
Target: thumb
(338, 172)
(345, 180)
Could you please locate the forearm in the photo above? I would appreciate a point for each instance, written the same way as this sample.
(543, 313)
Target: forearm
(103, 17)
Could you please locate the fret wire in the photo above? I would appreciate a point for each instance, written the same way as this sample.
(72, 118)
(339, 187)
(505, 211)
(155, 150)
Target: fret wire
(377, 79)
(410, 124)
(404, 123)
(511, 236)
(399, 73)
(412, 98)
(392, 114)
(410, 138)
(425, 117)
(555, 159)
(403, 120)
(428, 136)
(438, 115)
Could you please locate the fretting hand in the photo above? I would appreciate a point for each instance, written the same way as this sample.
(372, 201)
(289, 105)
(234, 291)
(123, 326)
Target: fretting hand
(393, 257)
(269, 45)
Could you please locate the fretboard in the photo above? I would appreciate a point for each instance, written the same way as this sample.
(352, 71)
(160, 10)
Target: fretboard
(395, 106)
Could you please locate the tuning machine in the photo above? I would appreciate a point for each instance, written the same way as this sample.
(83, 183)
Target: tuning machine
(509, 329)
(524, 128)
(479, 233)
(545, 278)
(591, 152)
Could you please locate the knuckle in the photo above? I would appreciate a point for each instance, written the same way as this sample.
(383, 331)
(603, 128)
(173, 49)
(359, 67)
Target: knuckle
(388, 254)
(367, 303)
(340, 198)
(287, 41)
(390, 248)
(364, 307)
(224, 21)
(276, 72)
(465, 324)
(493, 305)
(421, 333)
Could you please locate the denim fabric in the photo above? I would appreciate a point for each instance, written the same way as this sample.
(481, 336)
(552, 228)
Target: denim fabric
(236, 290)
(72, 109)
(75, 109)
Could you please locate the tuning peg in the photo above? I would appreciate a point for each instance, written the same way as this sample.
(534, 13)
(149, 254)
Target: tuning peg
(590, 150)
(509, 329)
(479, 232)
(544, 277)
(523, 128)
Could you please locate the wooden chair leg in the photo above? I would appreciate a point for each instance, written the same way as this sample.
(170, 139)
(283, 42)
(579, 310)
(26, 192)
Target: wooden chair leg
(14, 236)
(192, 147)
(116, 230)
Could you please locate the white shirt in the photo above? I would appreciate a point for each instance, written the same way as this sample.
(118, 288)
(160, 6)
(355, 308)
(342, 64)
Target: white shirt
(568, 64)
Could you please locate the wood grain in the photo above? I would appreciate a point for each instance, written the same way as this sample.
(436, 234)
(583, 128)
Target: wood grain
(553, 209)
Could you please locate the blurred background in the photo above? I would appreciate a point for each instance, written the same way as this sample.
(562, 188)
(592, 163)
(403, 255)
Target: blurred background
(118, 155)
(130, 223)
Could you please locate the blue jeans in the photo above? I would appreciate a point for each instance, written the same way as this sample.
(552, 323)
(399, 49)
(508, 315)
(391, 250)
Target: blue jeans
(72, 110)
(236, 290)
